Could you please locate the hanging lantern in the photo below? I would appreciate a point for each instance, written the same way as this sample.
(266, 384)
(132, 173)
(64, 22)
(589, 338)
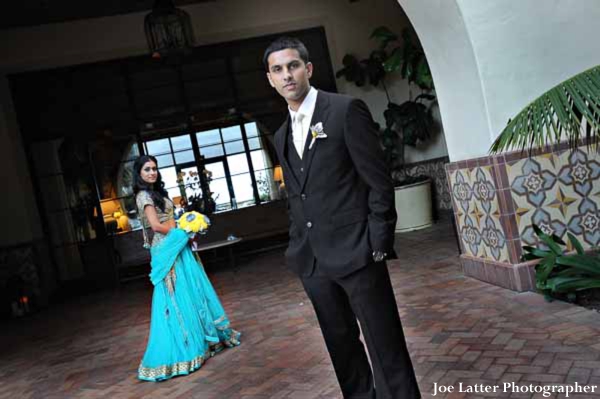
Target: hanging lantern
(168, 30)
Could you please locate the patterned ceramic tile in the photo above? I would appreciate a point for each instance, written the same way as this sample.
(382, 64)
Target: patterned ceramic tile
(478, 213)
(434, 168)
(560, 192)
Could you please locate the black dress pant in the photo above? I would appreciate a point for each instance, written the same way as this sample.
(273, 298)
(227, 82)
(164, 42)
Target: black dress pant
(366, 295)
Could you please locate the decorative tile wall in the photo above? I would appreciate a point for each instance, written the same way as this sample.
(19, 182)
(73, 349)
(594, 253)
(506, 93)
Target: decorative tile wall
(478, 213)
(558, 192)
(435, 170)
(497, 199)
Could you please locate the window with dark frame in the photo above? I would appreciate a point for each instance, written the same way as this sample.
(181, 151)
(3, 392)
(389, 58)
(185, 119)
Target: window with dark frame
(236, 168)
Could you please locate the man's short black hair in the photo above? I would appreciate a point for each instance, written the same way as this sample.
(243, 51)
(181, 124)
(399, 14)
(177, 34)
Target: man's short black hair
(283, 43)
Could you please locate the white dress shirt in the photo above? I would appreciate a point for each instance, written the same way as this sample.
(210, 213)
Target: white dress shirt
(301, 120)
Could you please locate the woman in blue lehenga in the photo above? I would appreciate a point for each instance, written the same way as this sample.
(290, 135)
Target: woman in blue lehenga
(188, 324)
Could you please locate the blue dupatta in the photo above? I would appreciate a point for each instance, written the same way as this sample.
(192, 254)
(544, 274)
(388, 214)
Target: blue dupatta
(188, 323)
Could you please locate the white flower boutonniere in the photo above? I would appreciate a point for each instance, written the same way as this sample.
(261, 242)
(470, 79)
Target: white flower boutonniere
(317, 133)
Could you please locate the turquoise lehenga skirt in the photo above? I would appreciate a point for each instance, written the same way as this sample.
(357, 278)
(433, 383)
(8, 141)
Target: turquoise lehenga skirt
(188, 324)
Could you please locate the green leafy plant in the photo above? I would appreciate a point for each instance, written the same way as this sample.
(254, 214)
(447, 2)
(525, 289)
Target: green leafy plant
(411, 122)
(557, 114)
(562, 273)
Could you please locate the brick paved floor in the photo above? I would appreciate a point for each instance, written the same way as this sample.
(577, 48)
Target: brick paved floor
(458, 329)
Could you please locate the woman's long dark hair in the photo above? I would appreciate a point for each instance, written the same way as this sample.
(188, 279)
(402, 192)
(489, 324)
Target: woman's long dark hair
(157, 190)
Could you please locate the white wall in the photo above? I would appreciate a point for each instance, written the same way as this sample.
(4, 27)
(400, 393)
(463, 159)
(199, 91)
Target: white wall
(490, 58)
(524, 48)
(348, 27)
(447, 46)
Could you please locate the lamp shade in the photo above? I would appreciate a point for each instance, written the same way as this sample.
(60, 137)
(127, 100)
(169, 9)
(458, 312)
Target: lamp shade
(109, 206)
(277, 173)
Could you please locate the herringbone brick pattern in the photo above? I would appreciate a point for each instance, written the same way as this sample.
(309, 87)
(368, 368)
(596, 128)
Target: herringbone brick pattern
(458, 330)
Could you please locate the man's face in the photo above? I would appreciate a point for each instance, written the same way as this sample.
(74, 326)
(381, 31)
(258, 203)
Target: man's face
(289, 75)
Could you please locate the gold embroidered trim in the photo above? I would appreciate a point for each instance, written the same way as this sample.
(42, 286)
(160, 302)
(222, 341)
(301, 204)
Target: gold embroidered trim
(167, 371)
(170, 280)
(172, 370)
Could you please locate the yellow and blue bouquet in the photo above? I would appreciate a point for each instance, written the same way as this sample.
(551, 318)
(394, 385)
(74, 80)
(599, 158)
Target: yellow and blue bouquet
(194, 223)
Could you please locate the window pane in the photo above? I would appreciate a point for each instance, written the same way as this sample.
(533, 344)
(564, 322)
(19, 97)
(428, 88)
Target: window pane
(164, 160)
(238, 164)
(212, 151)
(231, 133)
(234, 147)
(83, 224)
(181, 142)
(173, 192)
(191, 181)
(258, 160)
(184, 157)
(251, 129)
(130, 210)
(267, 188)
(208, 137)
(216, 169)
(254, 143)
(220, 193)
(125, 179)
(169, 177)
(158, 147)
(242, 187)
(133, 152)
(218, 185)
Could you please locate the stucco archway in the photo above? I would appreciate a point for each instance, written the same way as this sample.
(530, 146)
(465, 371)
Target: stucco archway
(445, 40)
(491, 58)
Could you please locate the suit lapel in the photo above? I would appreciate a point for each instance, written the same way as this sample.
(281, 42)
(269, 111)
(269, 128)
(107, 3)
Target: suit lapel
(320, 115)
(283, 144)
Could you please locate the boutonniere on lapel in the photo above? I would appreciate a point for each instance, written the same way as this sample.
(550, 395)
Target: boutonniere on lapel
(317, 133)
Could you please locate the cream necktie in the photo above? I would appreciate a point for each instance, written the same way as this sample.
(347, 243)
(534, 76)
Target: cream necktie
(298, 134)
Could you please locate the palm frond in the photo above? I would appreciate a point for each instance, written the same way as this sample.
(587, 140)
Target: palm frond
(569, 111)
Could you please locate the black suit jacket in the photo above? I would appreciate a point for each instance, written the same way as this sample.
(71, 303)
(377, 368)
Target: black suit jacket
(342, 206)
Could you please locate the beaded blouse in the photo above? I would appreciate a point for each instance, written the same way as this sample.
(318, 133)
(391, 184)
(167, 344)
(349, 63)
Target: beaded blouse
(142, 199)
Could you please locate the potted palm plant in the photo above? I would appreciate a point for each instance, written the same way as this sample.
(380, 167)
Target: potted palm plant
(409, 123)
(568, 112)
(557, 115)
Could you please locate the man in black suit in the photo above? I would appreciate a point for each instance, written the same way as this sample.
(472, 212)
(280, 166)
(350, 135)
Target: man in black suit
(342, 220)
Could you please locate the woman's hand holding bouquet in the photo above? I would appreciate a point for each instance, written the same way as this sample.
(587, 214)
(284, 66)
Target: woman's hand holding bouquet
(193, 223)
